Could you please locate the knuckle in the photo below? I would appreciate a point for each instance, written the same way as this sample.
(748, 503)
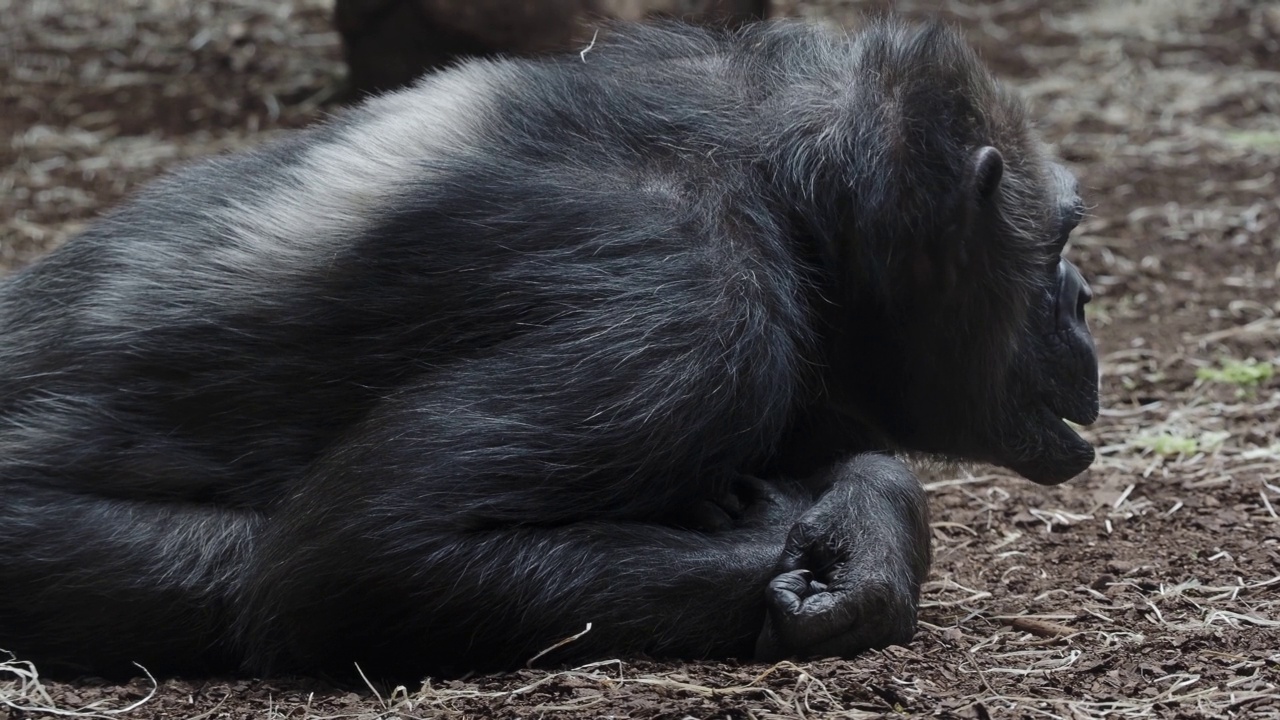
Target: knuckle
(794, 582)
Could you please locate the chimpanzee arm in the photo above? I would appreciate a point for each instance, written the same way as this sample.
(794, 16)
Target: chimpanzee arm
(463, 528)
(481, 516)
(491, 599)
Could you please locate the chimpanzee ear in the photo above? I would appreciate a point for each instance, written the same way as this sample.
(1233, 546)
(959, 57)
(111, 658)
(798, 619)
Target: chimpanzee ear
(942, 264)
(986, 168)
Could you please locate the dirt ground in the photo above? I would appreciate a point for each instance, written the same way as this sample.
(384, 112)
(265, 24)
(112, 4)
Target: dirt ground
(1148, 587)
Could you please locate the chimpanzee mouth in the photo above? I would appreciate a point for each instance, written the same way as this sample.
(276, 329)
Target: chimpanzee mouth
(1059, 453)
(1082, 409)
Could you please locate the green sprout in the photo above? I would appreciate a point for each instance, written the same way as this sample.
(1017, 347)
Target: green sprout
(1170, 445)
(1260, 139)
(1246, 375)
(1166, 445)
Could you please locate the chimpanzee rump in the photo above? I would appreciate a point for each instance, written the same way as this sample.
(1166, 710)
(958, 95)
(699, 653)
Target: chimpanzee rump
(625, 338)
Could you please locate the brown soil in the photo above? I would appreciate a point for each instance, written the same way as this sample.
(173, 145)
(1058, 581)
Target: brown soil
(1149, 587)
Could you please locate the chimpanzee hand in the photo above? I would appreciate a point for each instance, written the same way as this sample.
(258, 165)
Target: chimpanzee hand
(850, 573)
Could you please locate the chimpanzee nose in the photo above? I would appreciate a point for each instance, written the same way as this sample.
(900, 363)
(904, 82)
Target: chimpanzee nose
(1073, 294)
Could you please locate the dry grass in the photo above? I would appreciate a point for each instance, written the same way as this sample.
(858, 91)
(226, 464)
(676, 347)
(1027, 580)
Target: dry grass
(22, 690)
(100, 95)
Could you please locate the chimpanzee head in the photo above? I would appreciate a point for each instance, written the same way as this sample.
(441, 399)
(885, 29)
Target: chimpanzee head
(959, 327)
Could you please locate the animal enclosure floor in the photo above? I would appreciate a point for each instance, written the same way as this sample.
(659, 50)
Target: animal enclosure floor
(1148, 587)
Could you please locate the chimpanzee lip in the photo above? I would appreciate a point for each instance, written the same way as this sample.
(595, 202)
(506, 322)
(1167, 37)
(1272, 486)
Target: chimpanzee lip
(1081, 408)
(1063, 453)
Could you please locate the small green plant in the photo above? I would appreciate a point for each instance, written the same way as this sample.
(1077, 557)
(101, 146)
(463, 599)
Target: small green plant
(1246, 375)
(1170, 445)
(1167, 445)
(1261, 139)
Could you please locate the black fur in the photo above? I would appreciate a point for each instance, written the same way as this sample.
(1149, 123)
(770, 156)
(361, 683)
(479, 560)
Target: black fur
(603, 339)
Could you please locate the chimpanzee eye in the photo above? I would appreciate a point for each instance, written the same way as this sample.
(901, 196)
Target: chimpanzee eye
(1074, 216)
(1071, 217)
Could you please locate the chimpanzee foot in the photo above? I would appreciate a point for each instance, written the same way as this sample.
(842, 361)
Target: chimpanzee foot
(749, 502)
(712, 516)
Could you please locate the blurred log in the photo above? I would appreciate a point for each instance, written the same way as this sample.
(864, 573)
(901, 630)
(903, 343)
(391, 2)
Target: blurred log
(389, 43)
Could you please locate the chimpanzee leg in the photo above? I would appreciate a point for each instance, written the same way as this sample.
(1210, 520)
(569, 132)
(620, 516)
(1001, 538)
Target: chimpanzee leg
(94, 584)
(402, 592)
(498, 504)
(413, 551)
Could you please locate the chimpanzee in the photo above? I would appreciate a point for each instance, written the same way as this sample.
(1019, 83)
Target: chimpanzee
(631, 339)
